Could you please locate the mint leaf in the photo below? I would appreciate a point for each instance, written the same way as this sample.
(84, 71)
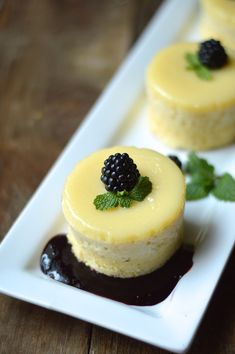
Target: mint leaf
(124, 199)
(195, 191)
(192, 60)
(194, 64)
(112, 200)
(225, 188)
(199, 166)
(204, 179)
(142, 189)
(106, 201)
(203, 73)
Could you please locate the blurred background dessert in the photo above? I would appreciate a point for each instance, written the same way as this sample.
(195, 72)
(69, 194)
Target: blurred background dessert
(191, 95)
(218, 21)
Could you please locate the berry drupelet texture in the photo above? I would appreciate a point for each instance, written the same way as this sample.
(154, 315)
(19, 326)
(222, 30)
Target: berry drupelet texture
(119, 173)
(212, 54)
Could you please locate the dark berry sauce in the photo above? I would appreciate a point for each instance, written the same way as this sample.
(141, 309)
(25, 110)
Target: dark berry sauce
(59, 263)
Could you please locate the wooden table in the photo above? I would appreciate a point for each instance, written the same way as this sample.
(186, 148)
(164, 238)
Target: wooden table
(56, 57)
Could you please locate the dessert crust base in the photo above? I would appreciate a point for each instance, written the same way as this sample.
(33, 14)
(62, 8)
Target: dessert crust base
(130, 259)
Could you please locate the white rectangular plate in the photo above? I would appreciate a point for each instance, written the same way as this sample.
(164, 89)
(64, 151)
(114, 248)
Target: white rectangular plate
(119, 117)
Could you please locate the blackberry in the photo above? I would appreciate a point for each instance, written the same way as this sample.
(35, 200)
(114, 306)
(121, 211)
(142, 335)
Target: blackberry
(119, 173)
(212, 54)
(176, 160)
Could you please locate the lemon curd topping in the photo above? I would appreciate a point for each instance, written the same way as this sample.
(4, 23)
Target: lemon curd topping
(169, 80)
(162, 207)
(221, 10)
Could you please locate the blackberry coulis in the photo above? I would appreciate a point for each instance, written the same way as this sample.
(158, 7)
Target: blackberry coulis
(212, 54)
(59, 263)
(119, 173)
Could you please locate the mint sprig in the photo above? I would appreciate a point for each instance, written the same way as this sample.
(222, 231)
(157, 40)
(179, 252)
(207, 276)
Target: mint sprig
(141, 190)
(225, 188)
(124, 199)
(195, 191)
(106, 201)
(203, 181)
(194, 64)
(201, 171)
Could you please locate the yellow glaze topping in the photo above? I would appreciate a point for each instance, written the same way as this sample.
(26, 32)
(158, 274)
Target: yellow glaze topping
(118, 225)
(168, 78)
(222, 10)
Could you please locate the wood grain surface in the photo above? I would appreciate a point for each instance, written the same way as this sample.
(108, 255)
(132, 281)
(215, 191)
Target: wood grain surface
(56, 56)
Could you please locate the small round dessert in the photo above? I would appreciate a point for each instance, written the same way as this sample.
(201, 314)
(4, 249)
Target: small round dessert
(218, 21)
(125, 242)
(185, 110)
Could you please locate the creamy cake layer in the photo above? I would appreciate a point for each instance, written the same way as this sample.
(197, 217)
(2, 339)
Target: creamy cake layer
(192, 130)
(127, 259)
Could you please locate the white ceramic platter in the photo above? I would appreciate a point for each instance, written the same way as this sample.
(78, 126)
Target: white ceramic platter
(119, 117)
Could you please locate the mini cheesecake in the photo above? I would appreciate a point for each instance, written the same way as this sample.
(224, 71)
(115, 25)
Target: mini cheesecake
(186, 111)
(125, 242)
(218, 21)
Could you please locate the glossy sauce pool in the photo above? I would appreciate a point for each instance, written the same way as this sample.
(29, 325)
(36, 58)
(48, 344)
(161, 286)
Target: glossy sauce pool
(58, 262)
